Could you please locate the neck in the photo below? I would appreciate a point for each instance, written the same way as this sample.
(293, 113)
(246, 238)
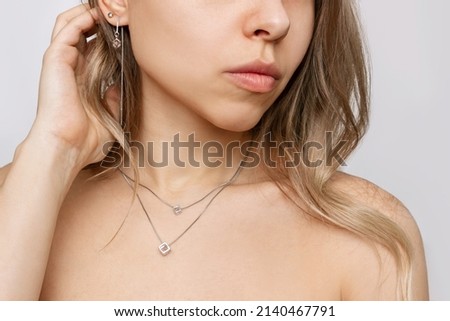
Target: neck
(178, 150)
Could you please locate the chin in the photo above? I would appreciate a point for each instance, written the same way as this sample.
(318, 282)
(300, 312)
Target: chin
(237, 123)
(237, 128)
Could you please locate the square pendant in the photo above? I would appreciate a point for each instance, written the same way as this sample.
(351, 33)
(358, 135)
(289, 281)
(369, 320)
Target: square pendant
(164, 248)
(177, 210)
(117, 43)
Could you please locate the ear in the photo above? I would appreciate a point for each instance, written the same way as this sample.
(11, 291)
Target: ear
(119, 8)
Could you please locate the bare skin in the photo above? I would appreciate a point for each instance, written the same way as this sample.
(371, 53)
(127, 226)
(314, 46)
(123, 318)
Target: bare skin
(251, 244)
(255, 240)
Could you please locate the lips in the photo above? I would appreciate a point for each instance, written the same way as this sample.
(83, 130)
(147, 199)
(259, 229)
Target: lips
(255, 77)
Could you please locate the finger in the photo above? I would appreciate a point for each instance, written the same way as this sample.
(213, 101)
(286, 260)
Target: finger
(74, 31)
(65, 17)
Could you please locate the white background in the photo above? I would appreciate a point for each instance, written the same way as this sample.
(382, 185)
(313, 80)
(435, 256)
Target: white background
(406, 151)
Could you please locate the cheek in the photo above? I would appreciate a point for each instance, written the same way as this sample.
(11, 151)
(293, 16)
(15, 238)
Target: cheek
(171, 32)
(299, 38)
(184, 61)
(169, 45)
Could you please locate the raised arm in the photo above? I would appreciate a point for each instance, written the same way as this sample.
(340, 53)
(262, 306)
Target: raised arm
(64, 138)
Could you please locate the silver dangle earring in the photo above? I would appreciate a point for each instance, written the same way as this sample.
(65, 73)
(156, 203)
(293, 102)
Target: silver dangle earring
(117, 42)
(121, 122)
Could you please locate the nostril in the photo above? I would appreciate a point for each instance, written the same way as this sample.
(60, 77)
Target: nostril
(261, 32)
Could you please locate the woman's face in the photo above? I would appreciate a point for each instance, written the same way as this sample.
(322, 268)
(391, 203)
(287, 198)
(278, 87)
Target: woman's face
(226, 60)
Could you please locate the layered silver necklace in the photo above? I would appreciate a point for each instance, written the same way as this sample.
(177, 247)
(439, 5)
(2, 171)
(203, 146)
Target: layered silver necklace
(165, 247)
(178, 209)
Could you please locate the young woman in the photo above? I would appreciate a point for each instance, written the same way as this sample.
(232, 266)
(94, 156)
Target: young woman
(213, 131)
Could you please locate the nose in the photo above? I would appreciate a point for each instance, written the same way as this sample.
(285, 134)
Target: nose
(268, 20)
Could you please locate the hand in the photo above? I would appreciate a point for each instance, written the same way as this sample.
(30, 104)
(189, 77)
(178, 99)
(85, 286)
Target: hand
(62, 117)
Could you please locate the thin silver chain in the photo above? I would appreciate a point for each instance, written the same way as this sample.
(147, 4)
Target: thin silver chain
(121, 120)
(177, 208)
(222, 187)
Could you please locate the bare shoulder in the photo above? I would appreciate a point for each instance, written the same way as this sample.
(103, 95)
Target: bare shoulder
(375, 197)
(90, 202)
(91, 193)
(358, 284)
(88, 187)
(4, 172)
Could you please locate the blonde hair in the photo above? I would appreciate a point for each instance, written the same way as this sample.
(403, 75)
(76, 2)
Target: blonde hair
(329, 92)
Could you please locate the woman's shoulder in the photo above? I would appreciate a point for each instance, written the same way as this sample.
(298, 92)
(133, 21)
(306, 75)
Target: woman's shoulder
(372, 195)
(91, 187)
(4, 172)
(365, 263)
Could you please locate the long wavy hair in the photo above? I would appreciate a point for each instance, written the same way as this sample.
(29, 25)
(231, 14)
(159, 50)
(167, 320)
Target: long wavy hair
(329, 92)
